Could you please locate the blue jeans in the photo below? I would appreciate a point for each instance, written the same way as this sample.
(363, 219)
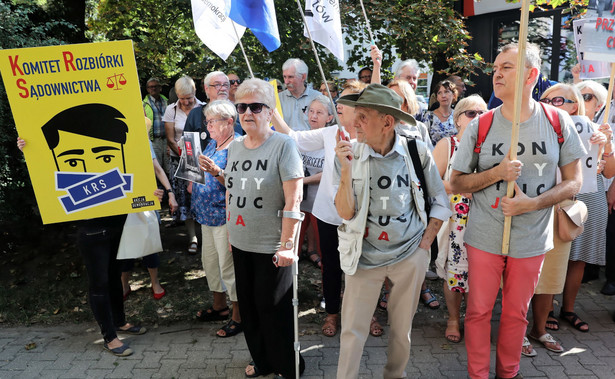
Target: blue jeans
(98, 240)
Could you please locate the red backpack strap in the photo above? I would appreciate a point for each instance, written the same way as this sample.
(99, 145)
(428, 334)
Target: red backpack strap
(452, 145)
(484, 124)
(553, 117)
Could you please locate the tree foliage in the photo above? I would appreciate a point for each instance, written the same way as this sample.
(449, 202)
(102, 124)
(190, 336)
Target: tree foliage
(24, 24)
(166, 45)
(422, 30)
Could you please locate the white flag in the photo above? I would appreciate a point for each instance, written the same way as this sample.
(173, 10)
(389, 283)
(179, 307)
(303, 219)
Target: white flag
(214, 27)
(323, 21)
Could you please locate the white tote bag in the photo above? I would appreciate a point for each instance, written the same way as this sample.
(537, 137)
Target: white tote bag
(141, 236)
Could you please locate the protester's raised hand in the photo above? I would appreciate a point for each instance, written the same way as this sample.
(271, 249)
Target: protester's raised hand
(376, 56)
(518, 204)
(509, 170)
(21, 143)
(343, 149)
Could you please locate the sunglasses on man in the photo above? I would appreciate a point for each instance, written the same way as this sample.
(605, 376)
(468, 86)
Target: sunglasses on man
(254, 107)
(235, 81)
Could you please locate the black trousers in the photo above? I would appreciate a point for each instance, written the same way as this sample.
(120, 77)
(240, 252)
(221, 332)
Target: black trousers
(265, 294)
(331, 270)
(98, 241)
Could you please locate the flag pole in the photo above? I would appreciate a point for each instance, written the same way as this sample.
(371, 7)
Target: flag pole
(242, 50)
(322, 73)
(514, 138)
(369, 27)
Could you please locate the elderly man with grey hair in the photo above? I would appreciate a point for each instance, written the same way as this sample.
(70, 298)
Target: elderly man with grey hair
(297, 97)
(216, 85)
(386, 230)
(409, 71)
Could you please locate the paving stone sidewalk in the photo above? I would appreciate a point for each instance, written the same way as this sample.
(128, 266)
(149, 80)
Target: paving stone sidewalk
(191, 350)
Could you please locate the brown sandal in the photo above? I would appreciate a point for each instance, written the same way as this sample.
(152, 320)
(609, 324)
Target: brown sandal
(375, 329)
(452, 333)
(329, 328)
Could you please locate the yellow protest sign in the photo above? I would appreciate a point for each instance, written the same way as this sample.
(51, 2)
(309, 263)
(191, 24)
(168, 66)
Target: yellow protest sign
(78, 107)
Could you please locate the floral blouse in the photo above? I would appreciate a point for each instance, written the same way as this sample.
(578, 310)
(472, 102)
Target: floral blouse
(438, 129)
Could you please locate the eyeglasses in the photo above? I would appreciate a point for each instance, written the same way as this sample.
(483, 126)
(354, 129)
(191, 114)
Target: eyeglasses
(235, 81)
(209, 122)
(254, 107)
(472, 113)
(557, 101)
(588, 96)
(219, 85)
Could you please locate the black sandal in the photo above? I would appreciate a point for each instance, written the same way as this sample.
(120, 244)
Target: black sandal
(552, 324)
(230, 329)
(256, 372)
(572, 318)
(211, 314)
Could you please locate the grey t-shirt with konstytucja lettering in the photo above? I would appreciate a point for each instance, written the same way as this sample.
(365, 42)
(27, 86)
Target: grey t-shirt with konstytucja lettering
(541, 154)
(254, 179)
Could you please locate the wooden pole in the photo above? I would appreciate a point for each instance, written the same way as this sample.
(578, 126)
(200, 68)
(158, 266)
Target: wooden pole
(609, 96)
(514, 138)
(322, 72)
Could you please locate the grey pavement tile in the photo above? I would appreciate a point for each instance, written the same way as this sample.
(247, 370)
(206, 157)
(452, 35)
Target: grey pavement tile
(240, 358)
(449, 362)
(312, 367)
(78, 370)
(330, 356)
(169, 368)
(123, 369)
(460, 374)
(150, 360)
(428, 370)
(421, 354)
(35, 368)
(143, 373)
(178, 351)
(602, 371)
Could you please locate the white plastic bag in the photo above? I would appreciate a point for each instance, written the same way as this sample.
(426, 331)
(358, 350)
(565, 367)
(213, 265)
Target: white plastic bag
(141, 236)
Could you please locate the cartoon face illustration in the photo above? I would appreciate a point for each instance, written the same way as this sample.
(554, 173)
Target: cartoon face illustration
(87, 138)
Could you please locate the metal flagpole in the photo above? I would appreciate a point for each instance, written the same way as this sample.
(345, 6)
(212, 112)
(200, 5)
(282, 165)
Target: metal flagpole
(514, 138)
(369, 28)
(243, 51)
(322, 73)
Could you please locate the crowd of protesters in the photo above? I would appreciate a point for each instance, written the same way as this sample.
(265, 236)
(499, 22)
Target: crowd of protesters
(383, 178)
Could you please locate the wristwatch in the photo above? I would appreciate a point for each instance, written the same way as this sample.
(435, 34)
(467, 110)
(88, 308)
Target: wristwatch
(168, 190)
(219, 173)
(288, 245)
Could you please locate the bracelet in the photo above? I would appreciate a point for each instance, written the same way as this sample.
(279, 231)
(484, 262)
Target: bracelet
(607, 155)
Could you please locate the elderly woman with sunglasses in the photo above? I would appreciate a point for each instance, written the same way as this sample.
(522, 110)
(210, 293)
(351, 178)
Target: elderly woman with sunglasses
(594, 97)
(209, 210)
(264, 175)
(452, 262)
(589, 247)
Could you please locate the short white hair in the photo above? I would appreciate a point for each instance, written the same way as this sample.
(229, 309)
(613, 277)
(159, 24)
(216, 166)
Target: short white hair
(597, 89)
(184, 86)
(299, 65)
(412, 63)
(209, 76)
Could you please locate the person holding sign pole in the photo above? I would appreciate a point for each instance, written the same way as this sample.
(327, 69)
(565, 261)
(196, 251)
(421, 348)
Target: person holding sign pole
(482, 168)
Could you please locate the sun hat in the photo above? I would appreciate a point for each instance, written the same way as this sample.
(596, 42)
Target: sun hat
(380, 98)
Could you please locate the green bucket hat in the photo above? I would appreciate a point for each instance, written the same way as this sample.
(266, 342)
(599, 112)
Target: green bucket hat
(380, 98)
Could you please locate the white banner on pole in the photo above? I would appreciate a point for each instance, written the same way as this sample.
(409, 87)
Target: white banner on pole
(589, 69)
(213, 26)
(323, 20)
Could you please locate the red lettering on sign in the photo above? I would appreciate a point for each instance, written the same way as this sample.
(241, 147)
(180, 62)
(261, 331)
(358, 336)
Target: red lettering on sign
(383, 236)
(240, 221)
(14, 65)
(25, 94)
(68, 60)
